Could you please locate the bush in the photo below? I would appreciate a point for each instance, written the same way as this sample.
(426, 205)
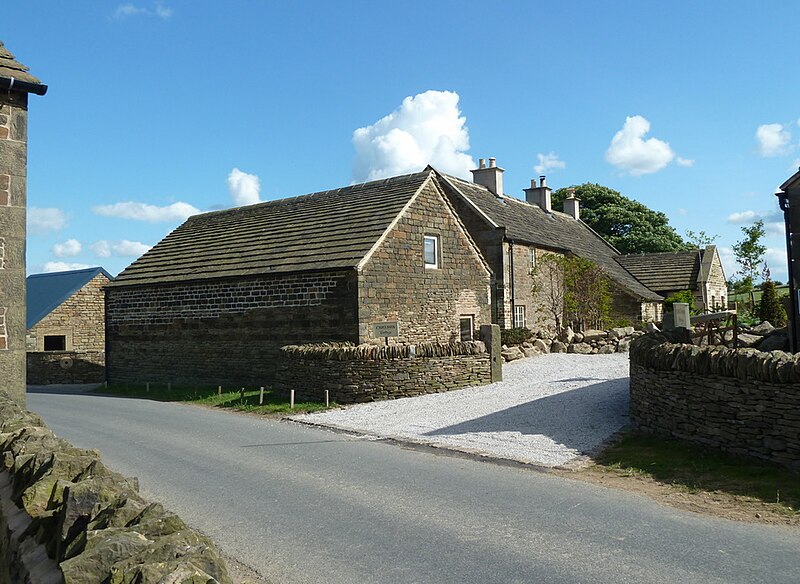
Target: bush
(680, 296)
(515, 336)
(769, 307)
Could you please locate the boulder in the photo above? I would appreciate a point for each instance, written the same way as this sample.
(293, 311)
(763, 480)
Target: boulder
(617, 333)
(580, 348)
(629, 330)
(577, 338)
(593, 335)
(652, 328)
(764, 328)
(746, 340)
(558, 347)
(624, 346)
(773, 342)
(541, 346)
(531, 351)
(566, 335)
(606, 350)
(512, 354)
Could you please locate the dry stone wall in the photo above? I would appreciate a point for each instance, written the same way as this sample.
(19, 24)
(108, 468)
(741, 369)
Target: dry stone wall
(367, 372)
(740, 400)
(65, 517)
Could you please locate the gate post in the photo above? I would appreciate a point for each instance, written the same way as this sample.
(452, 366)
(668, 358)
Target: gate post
(490, 335)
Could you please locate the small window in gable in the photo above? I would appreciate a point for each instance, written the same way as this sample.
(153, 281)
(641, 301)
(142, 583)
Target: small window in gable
(55, 343)
(431, 251)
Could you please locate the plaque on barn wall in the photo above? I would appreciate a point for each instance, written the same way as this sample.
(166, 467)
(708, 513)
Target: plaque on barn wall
(386, 329)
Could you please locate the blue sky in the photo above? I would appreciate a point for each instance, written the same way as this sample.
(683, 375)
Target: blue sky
(157, 110)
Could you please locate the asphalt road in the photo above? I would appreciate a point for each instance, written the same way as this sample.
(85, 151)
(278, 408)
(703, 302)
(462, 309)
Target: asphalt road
(300, 504)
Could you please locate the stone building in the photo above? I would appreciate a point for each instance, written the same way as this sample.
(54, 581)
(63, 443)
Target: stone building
(66, 326)
(512, 235)
(15, 85)
(699, 271)
(215, 300)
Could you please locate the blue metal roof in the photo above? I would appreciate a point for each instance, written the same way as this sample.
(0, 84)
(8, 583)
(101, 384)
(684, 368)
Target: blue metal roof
(46, 292)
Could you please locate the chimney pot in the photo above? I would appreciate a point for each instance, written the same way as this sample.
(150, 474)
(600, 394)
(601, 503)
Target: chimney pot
(482, 163)
(533, 183)
(492, 162)
(543, 180)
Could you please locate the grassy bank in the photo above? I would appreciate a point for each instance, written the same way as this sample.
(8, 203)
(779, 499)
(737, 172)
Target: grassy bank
(234, 399)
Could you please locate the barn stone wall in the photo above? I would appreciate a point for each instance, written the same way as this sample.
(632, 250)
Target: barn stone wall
(223, 331)
(395, 285)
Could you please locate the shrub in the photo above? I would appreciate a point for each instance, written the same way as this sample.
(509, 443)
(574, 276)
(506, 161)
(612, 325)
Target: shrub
(679, 296)
(515, 336)
(769, 307)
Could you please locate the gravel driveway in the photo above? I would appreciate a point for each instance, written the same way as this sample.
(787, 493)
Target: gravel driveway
(547, 411)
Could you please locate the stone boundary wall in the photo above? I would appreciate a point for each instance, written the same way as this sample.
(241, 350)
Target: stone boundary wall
(743, 401)
(365, 373)
(66, 367)
(65, 517)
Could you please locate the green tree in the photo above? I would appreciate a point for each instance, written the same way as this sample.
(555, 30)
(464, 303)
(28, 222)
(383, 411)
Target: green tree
(749, 254)
(701, 238)
(626, 224)
(770, 307)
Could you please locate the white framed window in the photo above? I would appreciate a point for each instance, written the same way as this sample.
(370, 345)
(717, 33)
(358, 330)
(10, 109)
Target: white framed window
(467, 326)
(431, 251)
(519, 316)
(533, 259)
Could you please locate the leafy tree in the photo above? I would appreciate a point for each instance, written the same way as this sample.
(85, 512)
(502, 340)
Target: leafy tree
(749, 253)
(680, 296)
(628, 225)
(701, 238)
(770, 307)
(572, 290)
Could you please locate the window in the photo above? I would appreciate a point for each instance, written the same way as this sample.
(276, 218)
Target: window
(533, 259)
(519, 316)
(466, 328)
(431, 251)
(55, 343)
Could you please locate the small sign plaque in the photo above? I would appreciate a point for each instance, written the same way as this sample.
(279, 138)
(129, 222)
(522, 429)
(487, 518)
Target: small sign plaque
(385, 329)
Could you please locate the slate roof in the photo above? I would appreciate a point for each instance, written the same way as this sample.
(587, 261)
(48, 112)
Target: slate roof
(665, 272)
(46, 292)
(10, 67)
(557, 231)
(329, 230)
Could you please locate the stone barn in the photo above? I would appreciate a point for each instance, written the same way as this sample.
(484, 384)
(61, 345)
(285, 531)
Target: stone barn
(66, 326)
(214, 301)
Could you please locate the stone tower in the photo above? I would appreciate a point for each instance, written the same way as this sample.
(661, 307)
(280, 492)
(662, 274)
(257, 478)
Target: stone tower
(15, 85)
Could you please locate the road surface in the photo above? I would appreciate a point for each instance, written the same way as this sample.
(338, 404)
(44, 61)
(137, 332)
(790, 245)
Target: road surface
(300, 504)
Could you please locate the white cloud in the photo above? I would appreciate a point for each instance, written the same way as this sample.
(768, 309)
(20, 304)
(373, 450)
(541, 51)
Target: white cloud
(244, 188)
(743, 217)
(43, 220)
(773, 139)
(143, 212)
(548, 161)
(124, 248)
(128, 9)
(67, 249)
(630, 152)
(684, 161)
(427, 128)
(682, 211)
(63, 266)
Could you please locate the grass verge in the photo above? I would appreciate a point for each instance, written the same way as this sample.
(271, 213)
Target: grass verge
(274, 402)
(751, 485)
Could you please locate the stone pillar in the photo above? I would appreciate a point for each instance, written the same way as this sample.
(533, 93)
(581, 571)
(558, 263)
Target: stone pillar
(13, 176)
(490, 335)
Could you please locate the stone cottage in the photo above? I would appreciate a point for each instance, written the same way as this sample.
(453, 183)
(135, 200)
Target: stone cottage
(699, 271)
(215, 300)
(512, 235)
(15, 85)
(66, 326)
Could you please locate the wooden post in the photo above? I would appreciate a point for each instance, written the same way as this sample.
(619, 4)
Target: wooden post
(219, 390)
(291, 399)
(261, 396)
(241, 394)
(327, 398)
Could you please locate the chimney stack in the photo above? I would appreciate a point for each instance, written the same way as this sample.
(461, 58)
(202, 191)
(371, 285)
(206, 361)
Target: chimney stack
(572, 205)
(491, 177)
(539, 195)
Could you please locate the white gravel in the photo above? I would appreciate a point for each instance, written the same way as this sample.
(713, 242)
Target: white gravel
(547, 411)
